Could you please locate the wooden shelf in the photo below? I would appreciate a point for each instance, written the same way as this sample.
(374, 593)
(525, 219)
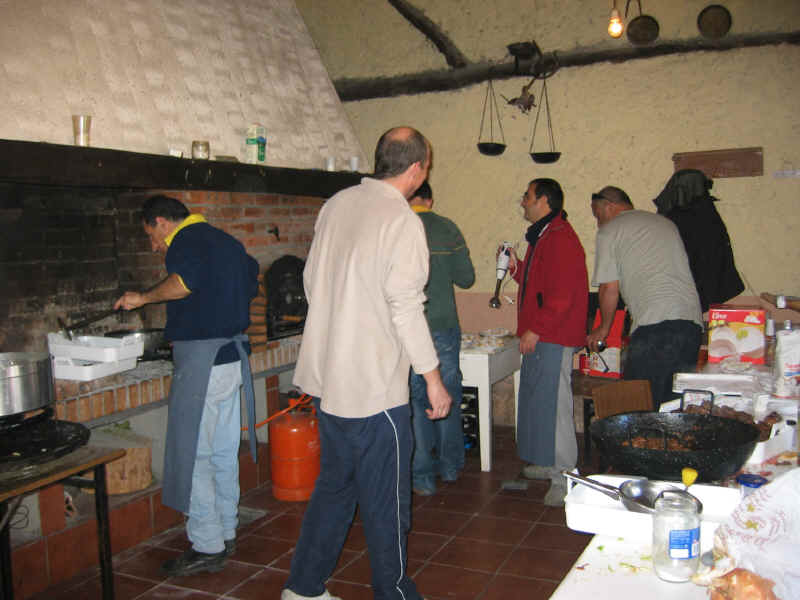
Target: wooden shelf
(37, 163)
(732, 162)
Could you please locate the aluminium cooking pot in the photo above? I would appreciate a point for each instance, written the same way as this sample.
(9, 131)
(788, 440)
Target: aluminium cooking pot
(716, 447)
(26, 382)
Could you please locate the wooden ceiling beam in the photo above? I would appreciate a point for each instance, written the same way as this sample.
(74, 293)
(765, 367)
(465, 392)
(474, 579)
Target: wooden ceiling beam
(352, 89)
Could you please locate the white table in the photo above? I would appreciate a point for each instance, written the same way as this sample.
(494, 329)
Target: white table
(480, 369)
(615, 569)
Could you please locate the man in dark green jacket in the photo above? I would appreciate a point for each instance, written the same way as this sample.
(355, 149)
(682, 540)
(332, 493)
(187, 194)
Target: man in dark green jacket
(439, 445)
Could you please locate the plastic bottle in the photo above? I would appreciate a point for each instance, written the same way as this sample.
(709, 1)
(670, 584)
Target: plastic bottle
(676, 536)
(256, 144)
(749, 483)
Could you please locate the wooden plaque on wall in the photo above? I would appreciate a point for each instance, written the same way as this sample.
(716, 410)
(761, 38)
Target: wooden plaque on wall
(733, 162)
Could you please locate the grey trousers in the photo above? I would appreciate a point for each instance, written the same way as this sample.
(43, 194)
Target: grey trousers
(545, 424)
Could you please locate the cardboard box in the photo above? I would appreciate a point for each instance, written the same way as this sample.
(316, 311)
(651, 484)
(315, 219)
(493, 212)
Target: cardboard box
(608, 363)
(736, 331)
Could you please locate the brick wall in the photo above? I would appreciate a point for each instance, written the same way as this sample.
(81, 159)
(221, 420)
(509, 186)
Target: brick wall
(70, 253)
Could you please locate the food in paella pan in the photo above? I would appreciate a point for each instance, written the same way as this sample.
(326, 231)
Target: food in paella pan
(656, 442)
(764, 426)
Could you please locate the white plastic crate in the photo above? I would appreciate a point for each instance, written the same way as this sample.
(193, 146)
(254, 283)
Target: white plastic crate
(85, 370)
(95, 348)
(591, 511)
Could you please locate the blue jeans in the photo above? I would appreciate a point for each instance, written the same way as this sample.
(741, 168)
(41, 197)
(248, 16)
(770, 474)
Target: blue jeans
(214, 502)
(365, 462)
(658, 351)
(439, 444)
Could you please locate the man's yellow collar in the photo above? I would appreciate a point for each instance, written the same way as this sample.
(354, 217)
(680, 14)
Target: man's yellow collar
(190, 220)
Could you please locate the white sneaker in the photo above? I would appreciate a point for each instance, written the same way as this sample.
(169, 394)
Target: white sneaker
(288, 594)
(556, 494)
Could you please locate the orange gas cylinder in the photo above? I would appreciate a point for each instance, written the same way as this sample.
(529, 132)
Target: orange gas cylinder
(294, 454)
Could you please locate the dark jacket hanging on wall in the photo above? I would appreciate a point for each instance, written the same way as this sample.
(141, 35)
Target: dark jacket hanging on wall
(686, 201)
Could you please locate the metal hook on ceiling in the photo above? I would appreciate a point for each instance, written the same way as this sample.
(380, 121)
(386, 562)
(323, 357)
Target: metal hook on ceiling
(627, 5)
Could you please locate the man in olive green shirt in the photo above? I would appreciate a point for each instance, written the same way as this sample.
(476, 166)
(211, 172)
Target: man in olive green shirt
(439, 444)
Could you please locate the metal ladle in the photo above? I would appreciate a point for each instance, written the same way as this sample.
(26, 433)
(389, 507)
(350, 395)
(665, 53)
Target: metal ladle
(68, 329)
(637, 495)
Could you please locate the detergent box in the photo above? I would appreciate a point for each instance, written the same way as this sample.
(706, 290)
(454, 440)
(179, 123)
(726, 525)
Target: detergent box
(736, 331)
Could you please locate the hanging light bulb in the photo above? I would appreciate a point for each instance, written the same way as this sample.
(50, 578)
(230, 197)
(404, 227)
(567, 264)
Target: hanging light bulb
(615, 26)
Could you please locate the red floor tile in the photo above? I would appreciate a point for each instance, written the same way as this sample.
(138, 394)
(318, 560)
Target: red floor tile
(231, 576)
(169, 592)
(147, 565)
(260, 551)
(493, 529)
(556, 537)
(506, 587)
(513, 508)
(541, 564)
(458, 502)
(356, 540)
(472, 540)
(357, 571)
(285, 527)
(473, 554)
(450, 583)
(442, 522)
(267, 583)
(421, 546)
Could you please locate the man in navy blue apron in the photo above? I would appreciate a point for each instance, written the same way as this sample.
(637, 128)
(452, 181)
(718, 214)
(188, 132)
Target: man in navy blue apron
(210, 282)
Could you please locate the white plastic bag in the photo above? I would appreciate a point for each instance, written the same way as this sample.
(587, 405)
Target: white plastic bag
(787, 364)
(762, 534)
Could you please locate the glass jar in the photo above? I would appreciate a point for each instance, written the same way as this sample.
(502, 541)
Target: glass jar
(676, 536)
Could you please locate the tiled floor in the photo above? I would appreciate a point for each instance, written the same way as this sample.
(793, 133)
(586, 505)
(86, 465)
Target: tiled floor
(471, 540)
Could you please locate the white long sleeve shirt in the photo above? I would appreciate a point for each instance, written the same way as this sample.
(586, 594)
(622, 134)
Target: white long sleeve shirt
(364, 280)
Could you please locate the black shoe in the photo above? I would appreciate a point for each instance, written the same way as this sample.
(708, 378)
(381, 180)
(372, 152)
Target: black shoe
(230, 547)
(191, 562)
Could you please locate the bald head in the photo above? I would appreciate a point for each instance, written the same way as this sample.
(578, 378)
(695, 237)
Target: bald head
(608, 203)
(614, 195)
(397, 150)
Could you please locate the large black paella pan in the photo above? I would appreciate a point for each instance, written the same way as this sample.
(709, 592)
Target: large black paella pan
(658, 445)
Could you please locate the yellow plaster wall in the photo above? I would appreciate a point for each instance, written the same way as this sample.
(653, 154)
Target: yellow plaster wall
(614, 123)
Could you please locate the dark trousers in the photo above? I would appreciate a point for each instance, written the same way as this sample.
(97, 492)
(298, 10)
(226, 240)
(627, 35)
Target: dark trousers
(658, 351)
(364, 462)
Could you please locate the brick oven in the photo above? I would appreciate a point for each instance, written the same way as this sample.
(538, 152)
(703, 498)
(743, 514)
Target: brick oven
(72, 243)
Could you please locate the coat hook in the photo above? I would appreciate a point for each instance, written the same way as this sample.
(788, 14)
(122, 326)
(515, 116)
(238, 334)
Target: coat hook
(275, 231)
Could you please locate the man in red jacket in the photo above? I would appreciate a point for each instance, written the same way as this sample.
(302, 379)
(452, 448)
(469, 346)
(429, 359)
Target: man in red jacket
(551, 324)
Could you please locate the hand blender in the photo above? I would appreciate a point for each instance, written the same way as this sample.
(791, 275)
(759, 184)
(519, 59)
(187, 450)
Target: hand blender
(502, 266)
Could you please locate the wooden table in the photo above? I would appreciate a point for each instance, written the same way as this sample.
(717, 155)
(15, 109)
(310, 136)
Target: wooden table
(64, 469)
(481, 369)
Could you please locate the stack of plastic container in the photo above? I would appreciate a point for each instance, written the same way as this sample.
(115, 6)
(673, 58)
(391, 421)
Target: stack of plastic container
(85, 357)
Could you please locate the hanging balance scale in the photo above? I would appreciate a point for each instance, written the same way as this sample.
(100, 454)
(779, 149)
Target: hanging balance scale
(491, 147)
(544, 157)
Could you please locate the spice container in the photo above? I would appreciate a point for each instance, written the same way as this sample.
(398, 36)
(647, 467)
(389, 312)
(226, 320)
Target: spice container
(749, 483)
(676, 536)
(201, 150)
